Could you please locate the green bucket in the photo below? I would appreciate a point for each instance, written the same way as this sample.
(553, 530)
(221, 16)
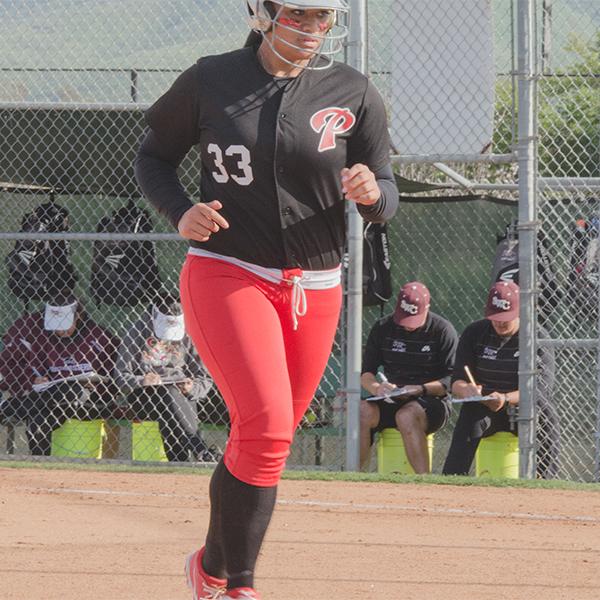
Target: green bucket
(391, 457)
(147, 443)
(78, 439)
(498, 456)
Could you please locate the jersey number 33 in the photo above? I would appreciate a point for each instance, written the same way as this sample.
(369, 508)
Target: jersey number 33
(243, 164)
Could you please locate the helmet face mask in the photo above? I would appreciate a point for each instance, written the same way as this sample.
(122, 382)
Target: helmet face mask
(265, 18)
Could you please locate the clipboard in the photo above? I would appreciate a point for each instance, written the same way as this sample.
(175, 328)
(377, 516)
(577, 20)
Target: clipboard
(471, 399)
(88, 377)
(167, 380)
(389, 397)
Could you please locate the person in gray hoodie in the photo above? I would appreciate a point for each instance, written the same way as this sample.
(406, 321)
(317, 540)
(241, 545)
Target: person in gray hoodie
(163, 379)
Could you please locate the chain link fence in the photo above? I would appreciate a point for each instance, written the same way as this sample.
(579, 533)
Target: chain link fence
(75, 78)
(451, 243)
(569, 165)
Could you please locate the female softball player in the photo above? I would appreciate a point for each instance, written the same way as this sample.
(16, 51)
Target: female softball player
(285, 135)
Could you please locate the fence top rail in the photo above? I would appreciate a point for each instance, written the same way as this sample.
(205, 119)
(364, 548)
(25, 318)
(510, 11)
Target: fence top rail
(409, 159)
(25, 188)
(98, 106)
(83, 236)
(89, 70)
(587, 343)
(554, 183)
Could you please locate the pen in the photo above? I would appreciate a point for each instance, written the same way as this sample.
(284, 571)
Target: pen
(384, 379)
(469, 375)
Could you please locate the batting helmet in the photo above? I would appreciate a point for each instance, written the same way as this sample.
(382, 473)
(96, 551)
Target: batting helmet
(264, 14)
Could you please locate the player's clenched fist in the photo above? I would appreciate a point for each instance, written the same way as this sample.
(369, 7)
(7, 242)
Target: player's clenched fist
(359, 184)
(201, 221)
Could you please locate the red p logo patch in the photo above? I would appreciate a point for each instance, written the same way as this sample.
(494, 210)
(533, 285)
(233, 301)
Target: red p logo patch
(330, 122)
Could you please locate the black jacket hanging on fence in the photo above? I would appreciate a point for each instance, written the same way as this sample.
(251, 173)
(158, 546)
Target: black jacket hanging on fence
(377, 266)
(124, 272)
(37, 266)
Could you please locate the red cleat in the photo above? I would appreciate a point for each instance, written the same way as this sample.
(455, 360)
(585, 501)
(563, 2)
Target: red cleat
(203, 585)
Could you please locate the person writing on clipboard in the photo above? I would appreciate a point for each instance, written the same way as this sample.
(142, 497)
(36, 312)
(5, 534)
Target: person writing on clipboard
(72, 359)
(407, 365)
(487, 364)
(164, 380)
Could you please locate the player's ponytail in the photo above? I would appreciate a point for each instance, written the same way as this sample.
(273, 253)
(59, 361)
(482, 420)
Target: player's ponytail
(253, 40)
(255, 37)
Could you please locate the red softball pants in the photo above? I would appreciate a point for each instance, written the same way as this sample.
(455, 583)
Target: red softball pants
(266, 371)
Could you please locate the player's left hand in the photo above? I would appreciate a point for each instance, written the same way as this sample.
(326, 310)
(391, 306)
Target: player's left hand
(359, 184)
(186, 386)
(496, 401)
(413, 390)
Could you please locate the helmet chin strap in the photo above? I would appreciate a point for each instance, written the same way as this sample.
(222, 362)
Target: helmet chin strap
(305, 64)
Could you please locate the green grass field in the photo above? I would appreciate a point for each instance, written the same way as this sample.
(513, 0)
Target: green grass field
(312, 475)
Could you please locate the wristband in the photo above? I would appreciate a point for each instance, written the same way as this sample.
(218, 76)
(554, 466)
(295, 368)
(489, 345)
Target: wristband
(506, 402)
(423, 390)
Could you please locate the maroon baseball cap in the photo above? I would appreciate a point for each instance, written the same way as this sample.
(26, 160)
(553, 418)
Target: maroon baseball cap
(503, 302)
(412, 305)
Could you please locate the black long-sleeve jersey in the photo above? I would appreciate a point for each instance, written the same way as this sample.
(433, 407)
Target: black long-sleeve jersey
(412, 357)
(271, 152)
(494, 360)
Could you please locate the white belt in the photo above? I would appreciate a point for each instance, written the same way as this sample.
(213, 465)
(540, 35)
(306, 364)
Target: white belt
(309, 280)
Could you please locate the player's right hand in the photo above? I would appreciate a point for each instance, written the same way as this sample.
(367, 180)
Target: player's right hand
(472, 390)
(201, 221)
(151, 379)
(385, 388)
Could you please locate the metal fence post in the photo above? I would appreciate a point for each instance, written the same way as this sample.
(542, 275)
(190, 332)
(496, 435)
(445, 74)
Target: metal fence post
(527, 157)
(597, 432)
(356, 56)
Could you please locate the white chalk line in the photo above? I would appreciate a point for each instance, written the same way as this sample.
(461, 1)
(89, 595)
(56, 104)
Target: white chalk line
(358, 507)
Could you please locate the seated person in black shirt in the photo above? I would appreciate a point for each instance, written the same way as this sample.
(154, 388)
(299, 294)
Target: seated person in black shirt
(490, 348)
(415, 349)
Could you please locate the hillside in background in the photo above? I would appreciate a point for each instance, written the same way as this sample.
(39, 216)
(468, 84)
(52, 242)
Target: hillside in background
(116, 33)
(171, 34)
(108, 34)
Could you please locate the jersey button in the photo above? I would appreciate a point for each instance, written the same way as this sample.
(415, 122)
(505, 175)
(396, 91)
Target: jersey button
(280, 169)
(282, 116)
(286, 211)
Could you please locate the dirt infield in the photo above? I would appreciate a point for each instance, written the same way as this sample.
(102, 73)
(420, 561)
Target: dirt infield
(69, 535)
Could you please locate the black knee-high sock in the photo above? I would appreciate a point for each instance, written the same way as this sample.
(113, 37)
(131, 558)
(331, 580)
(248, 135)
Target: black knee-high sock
(214, 559)
(245, 515)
